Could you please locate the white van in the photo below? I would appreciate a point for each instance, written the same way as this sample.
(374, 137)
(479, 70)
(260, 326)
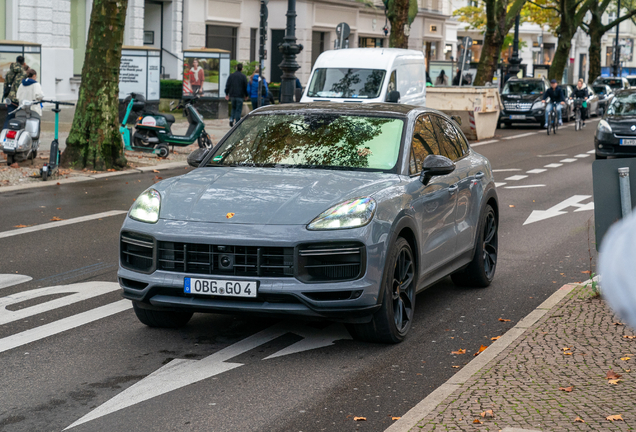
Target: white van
(368, 75)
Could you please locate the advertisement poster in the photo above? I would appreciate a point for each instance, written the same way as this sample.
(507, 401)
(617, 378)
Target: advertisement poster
(153, 78)
(132, 76)
(201, 77)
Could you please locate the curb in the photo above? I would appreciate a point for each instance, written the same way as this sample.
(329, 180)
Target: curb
(430, 402)
(78, 179)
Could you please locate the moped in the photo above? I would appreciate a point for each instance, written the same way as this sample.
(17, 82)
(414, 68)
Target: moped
(20, 141)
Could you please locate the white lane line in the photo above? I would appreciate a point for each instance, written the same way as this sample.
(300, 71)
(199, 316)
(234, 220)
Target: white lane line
(500, 184)
(483, 143)
(583, 155)
(520, 135)
(552, 165)
(63, 325)
(568, 160)
(524, 187)
(536, 171)
(516, 177)
(591, 152)
(552, 155)
(44, 226)
(7, 280)
(507, 170)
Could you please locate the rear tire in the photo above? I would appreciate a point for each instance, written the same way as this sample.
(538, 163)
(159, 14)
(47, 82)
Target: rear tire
(9, 159)
(392, 321)
(161, 319)
(481, 270)
(162, 151)
(45, 175)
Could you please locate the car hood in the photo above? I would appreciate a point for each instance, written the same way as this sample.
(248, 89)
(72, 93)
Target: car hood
(621, 125)
(521, 97)
(263, 196)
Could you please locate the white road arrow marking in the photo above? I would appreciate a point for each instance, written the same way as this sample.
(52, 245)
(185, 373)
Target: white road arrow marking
(180, 372)
(557, 210)
(7, 280)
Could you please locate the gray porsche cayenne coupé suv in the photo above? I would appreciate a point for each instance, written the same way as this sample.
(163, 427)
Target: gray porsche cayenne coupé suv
(326, 210)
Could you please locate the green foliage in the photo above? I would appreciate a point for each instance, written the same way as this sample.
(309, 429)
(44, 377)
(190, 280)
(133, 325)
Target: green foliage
(248, 67)
(543, 13)
(171, 89)
(507, 43)
(474, 16)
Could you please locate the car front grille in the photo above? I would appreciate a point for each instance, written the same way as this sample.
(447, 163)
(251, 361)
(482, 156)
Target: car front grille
(518, 106)
(136, 252)
(331, 262)
(225, 260)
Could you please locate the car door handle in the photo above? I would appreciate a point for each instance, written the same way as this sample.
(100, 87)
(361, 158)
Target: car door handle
(452, 189)
(479, 175)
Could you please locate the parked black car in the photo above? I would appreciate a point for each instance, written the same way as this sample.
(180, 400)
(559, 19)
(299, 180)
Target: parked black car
(521, 98)
(616, 132)
(605, 95)
(615, 83)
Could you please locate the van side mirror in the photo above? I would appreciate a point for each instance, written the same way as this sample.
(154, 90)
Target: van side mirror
(457, 119)
(435, 165)
(196, 157)
(394, 97)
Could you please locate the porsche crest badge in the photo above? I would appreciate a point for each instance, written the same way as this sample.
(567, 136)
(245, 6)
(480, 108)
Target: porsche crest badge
(229, 215)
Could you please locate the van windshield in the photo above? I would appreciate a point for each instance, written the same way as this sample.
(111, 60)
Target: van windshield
(346, 83)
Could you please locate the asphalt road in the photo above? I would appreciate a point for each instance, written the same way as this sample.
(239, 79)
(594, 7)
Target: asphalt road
(78, 350)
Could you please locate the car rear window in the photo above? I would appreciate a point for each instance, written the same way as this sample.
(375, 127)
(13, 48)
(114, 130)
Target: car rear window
(315, 140)
(612, 82)
(346, 83)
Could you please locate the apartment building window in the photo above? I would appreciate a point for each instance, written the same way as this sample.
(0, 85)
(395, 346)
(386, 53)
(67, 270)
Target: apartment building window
(369, 42)
(221, 37)
(253, 43)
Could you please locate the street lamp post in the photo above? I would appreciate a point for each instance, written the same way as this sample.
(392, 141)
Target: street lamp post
(617, 53)
(515, 61)
(289, 48)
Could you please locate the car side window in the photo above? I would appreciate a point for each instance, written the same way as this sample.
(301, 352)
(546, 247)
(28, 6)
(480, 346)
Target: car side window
(424, 143)
(450, 140)
(392, 84)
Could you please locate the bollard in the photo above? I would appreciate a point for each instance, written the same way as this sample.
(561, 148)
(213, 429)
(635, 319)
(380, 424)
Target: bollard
(626, 194)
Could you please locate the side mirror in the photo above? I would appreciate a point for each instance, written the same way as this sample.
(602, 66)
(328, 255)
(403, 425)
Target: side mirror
(457, 119)
(435, 165)
(394, 97)
(196, 157)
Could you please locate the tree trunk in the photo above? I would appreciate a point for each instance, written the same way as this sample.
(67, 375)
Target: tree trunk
(94, 141)
(595, 52)
(490, 53)
(398, 15)
(561, 57)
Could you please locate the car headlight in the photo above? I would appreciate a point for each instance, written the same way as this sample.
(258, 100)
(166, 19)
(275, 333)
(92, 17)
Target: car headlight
(538, 105)
(352, 213)
(603, 126)
(146, 207)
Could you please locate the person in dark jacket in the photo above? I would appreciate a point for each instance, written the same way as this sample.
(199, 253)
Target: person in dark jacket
(236, 92)
(12, 82)
(557, 99)
(581, 92)
(252, 88)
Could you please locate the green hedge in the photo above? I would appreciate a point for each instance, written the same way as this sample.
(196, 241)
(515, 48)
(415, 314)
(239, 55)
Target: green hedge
(171, 89)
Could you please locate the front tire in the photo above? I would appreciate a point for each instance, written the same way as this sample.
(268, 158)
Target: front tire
(205, 141)
(392, 321)
(10, 159)
(161, 319)
(162, 151)
(481, 270)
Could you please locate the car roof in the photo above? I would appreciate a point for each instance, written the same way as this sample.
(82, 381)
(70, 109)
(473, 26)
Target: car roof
(625, 92)
(391, 109)
(365, 58)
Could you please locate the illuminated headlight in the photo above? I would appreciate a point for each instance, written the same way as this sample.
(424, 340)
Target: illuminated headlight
(146, 207)
(603, 126)
(538, 105)
(352, 213)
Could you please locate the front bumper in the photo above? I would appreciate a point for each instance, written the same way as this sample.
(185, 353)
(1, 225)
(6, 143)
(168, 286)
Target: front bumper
(532, 116)
(284, 295)
(608, 144)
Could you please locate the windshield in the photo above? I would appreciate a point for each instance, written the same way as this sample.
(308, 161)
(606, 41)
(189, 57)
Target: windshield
(346, 83)
(524, 87)
(327, 140)
(599, 90)
(612, 82)
(623, 105)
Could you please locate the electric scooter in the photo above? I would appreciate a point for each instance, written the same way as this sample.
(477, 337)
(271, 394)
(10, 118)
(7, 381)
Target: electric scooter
(153, 130)
(54, 159)
(20, 141)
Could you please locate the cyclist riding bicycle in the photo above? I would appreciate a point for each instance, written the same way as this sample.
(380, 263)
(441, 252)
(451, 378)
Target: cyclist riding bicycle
(582, 93)
(557, 96)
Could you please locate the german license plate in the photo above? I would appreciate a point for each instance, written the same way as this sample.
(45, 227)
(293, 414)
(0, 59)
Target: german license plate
(9, 144)
(518, 117)
(217, 287)
(628, 142)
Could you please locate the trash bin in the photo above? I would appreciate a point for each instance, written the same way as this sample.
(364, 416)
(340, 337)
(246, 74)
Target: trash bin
(478, 108)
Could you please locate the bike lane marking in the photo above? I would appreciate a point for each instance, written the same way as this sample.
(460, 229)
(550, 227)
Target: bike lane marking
(35, 228)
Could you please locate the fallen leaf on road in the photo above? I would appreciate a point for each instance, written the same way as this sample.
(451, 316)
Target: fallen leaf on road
(155, 171)
(55, 219)
(20, 226)
(14, 165)
(111, 170)
(565, 349)
(495, 338)
(481, 350)
(614, 417)
(503, 320)
(586, 272)
(456, 367)
(359, 419)
(614, 381)
(459, 351)
(618, 323)
(510, 205)
(566, 389)
(579, 420)
(629, 337)
(59, 208)
(487, 413)
(567, 353)
(476, 421)
(395, 418)
(611, 375)
(625, 358)
(58, 183)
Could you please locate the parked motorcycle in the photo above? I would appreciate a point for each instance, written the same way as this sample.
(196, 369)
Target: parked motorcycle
(20, 141)
(153, 130)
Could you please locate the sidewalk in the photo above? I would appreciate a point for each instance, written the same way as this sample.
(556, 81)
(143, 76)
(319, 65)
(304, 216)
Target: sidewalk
(551, 375)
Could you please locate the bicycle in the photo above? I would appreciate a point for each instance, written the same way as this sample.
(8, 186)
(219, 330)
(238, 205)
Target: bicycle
(578, 115)
(552, 120)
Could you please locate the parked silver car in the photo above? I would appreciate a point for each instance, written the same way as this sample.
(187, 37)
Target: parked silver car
(323, 210)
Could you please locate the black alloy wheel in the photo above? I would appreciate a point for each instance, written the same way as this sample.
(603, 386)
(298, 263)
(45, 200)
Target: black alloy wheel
(489, 247)
(403, 290)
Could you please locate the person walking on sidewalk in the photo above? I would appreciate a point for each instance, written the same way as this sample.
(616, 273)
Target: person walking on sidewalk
(12, 82)
(236, 92)
(252, 88)
(31, 90)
